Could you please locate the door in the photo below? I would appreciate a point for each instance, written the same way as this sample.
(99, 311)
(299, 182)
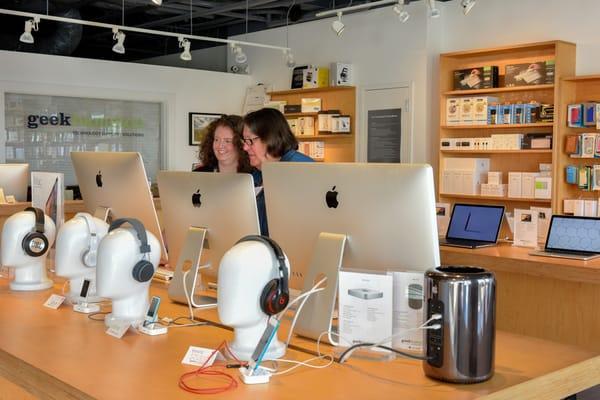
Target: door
(386, 118)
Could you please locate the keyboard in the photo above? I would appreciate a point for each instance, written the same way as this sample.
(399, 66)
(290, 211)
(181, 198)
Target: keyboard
(467, 243)
(561, 254)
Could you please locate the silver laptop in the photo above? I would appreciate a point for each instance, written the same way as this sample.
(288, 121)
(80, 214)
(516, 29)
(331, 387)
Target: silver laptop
(473, 226)
(572, 237)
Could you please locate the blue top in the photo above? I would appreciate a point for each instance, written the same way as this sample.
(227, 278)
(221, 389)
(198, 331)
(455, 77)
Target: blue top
(290, 156)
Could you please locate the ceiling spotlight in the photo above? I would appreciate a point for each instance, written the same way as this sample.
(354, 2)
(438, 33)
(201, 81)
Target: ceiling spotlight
(289, 58)
(337, 25)
(403, 15)
(120, 38)
(30, 24)
(185, 45)
(157, 2)
(433, 12)
(467, 5)
(240, 56)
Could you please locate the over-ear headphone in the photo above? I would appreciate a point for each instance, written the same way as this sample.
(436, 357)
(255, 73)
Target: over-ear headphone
(275, 295)
(35, 243)
(89, 255)
(143, 269)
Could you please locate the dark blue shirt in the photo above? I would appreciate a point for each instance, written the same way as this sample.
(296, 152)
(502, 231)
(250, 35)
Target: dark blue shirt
(290, 156)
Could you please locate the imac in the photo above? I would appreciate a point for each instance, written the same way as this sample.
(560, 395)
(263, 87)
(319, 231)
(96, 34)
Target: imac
(205, 214)
(14, 179)
(117, 181)
(355, 215)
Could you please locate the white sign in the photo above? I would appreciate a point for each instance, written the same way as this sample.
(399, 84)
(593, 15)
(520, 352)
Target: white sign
(117, 330)
(198, 356)
(526, 228)
(54, 301)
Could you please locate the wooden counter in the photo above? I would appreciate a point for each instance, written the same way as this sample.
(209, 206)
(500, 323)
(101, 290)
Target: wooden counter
(545, 297)
(60, 354)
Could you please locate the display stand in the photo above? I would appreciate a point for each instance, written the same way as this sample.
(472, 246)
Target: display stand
(189, 259)
(103, 213)
(317, 313)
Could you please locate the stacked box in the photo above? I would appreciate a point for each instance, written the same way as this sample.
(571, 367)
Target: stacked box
(453, 111)
(464, 175)
(476, 78)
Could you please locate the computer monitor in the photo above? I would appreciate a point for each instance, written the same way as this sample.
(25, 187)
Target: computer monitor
(14, 179)
(117, 180)
(477, 222)
(223, 204)
(579, 235)
(387, 212)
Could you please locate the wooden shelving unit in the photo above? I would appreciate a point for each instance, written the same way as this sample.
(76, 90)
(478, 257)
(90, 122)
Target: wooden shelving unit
(338, 147)
(563, 53)
(574, 89)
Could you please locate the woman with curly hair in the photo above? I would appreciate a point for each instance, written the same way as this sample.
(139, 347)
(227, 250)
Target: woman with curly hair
(222, 149)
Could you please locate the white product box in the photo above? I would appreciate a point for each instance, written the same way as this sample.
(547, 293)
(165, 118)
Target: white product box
(494, 177)
(480, 109)
(543, 187)
(453, 111)
(306, 126)
(470, 182)
(340, 74)
(513, 141)
(491, 189)
(568, 206)
(408, 307)
(466, 111)
(293, 123)
(528, 184)
(448, 144)
(310, 105)
(446, 182)
(456, 181)
(480, 164)
(590, 208)
(498, 142)
(514, 184)
(319, 150)
(340, 124)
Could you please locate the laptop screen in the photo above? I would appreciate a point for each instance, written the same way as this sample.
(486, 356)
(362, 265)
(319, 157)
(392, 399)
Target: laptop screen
(575, 234)
(475, 222)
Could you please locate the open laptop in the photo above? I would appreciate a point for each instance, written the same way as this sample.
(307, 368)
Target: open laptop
(572, 237)
(473, 226)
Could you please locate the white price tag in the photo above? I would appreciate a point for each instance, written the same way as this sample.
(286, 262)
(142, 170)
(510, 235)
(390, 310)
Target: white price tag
(198, 355)
(117, 330)
(54, 301)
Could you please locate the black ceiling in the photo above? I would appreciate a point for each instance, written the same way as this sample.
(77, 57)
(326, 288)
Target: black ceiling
(214, 18)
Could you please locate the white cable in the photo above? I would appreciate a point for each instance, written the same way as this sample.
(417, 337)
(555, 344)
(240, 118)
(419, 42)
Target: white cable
(305, 363)
(187, 295)
(304, 296)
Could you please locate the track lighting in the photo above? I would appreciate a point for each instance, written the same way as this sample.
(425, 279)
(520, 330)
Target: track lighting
(157, 2)
(399, 9)
(337, 25)
(240, 56)
(185, 45)
(120, 38)
(30, 24)
(289, 58)
(467, 5)
(433, 11)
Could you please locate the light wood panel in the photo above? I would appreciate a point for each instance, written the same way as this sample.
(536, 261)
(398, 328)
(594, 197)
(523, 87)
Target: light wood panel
(338, 147)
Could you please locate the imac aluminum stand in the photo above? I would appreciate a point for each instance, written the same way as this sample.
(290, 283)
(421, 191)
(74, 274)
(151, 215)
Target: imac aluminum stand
(317, 313)
(189, 259)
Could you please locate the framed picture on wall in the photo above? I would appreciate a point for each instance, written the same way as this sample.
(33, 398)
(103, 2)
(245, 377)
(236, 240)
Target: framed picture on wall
(198, 124)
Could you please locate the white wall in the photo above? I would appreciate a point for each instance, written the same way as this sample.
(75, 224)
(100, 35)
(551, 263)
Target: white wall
(179, 90)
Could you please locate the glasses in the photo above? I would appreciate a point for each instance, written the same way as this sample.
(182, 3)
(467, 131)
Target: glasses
(250, 141)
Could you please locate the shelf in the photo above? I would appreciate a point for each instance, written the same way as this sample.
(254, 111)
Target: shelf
(327, 137)
(499, 90)
(534, 151)
(300, 114)
(501, 126)
(313, 90)
(480, 197)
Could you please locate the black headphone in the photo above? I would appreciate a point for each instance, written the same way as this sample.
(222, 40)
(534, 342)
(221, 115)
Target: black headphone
(143, 270)
(35, 243)
(276, 295)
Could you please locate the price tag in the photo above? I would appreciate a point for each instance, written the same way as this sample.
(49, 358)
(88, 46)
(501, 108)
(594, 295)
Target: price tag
(54, 301)
(198, 355)
(117, 330)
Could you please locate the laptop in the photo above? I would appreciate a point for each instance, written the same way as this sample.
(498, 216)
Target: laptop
(572, 237)
(473, 226)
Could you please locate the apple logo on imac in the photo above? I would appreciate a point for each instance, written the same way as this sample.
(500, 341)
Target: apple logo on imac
(99, 179)
(196, 199)
(331, 198)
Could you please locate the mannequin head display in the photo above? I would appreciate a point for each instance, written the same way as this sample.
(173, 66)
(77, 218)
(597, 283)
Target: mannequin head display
(77, 251)
(127, 258)
(253, 285)
(26, 238)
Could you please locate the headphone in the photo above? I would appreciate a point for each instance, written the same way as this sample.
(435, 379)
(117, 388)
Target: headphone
(35, 243)
(143, 270)
(90, 254)
(275, 295)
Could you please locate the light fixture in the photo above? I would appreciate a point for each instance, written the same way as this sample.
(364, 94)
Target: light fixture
(30, 24)
(119, 36)
(399, 9)
(185, 45)
(240, 56)
(289, 58)
(433, 11)
(337, 25)
(157, 2)
(467, 5)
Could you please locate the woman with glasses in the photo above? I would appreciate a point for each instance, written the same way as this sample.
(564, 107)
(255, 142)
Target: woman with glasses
(267, 138)
(222, 149)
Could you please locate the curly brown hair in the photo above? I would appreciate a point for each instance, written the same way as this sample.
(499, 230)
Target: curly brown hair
(206, 153)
